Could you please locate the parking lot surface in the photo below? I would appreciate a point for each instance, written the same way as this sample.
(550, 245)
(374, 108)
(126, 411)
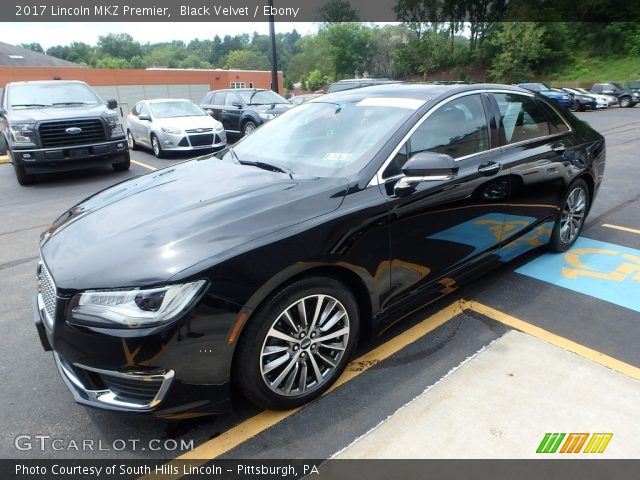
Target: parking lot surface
(530, 348)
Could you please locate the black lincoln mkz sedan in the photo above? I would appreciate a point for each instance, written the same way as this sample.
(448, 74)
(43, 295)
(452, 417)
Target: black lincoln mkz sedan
(261, 267)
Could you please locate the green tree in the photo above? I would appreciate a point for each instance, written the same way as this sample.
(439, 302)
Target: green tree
(109, 61)
(120, 45)
(316, 80)
(246, 60)
(520, 49)
(35, 47)
(349, 48)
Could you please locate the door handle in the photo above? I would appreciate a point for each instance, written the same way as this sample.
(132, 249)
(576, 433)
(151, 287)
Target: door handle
(559, 148)
(489, 168)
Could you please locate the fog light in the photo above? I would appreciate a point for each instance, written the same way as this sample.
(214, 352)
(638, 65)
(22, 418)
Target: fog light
(120, 145)
(168, 143)
(27, 156)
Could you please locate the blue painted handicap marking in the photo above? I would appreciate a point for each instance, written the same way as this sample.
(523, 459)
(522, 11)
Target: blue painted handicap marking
(602, 270)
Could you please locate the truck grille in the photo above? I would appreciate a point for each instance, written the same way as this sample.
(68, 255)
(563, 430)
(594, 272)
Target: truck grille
(47, 289)
(55, 134)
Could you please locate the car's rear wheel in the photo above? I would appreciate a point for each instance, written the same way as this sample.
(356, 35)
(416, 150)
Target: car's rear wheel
(157, 149)
(574, 106)
(297, 344)
(249, 127)
(131, 141)
(572, 216)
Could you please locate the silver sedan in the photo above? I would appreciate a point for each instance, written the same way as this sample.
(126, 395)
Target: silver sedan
(169, 125)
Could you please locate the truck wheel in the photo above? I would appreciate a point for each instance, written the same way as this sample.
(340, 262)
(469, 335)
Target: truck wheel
(124, 165)
(625, 102)
(3, 145)
(23, 177)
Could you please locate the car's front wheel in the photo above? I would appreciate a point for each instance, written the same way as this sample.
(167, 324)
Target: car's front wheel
(157, 149)
(297, 344)
(249, 127)
(625, 102)
(131, 142)
(571, 220)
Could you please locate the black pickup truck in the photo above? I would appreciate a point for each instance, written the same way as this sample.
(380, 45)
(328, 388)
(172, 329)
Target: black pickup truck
(56, 125)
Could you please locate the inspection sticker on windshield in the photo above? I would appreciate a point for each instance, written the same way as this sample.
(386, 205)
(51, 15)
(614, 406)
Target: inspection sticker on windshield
(337, 157)
(410, 103)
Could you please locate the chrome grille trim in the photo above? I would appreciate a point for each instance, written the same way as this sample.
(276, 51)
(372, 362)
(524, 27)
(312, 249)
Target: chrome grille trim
(48, 292)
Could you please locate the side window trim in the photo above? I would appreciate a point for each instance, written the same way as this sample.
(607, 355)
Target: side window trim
(378, 179)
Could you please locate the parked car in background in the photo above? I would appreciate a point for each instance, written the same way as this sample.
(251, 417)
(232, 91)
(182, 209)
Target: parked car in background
(298, 99)
(58, 125)
(242, 110)
(626, 98)
(331, 222)
(607, 100)
(562, 98)
(634, 86)
(582, 102)
(350, 83)
(168, 125)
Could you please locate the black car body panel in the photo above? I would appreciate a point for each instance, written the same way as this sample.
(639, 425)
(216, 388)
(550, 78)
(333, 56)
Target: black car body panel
(248, 231)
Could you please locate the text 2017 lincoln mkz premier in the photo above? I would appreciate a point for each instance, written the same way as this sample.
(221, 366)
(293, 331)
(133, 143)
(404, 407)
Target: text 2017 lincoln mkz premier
(262, 268)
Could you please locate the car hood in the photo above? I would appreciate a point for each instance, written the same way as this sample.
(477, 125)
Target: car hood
(186, 123)
(32, 115)
(146, 230)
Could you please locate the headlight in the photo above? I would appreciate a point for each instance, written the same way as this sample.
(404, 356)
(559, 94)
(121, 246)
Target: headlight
(266, 116)
(115, 125)
(170, 130)
(219, 127)
(133, 308)
(23, 132)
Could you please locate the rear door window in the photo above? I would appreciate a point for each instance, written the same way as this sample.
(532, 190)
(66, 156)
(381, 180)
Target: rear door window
(521, 117)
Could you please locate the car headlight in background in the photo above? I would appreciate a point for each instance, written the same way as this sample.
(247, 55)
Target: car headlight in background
(23, 132)
(219, 127)
(116, 126)
(267, 116)
(170, 130)
(133, 308)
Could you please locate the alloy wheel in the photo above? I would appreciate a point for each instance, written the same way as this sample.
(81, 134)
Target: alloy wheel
(156, 146)
(304, 345)
(573, 214)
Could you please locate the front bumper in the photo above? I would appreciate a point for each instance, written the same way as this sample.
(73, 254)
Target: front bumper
(190, 141)
(48, 160)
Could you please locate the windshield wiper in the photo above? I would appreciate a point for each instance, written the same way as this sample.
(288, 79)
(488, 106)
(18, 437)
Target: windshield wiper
(29, 105)
(70, 103)
(263, 165)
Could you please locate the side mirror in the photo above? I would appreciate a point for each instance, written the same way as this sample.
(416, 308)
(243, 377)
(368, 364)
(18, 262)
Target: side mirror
(425, 167)
(144, 116)
(112, 104)
(209, 111)
(237, 104)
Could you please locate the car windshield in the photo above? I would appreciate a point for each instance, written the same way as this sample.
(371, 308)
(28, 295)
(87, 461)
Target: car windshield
(327, 139)
(176, 109)
(261, 97)
(32, 95)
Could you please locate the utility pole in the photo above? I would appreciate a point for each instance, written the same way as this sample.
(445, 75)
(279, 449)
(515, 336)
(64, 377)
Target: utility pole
(274, 61)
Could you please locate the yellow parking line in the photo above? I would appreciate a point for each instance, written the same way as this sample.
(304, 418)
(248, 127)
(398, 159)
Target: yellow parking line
(553, 339)
(624, 229)
(149, 167)
(4, 159)
(266, 419)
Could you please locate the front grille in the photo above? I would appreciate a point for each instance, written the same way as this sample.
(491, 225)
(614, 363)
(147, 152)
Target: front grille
(201, 140)
(132, 389)
(199, 130)
(47, 289)
(54, 134)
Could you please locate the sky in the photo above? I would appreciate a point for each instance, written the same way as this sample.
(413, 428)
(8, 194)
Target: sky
(60, 33)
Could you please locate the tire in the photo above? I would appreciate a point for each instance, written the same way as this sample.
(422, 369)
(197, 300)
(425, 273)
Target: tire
(248, 127)
(156, 147)
(131, 142)
(22, 176)
(307, 367)
(3, 145)
(625, 102)
(572, 216)
(124, 165)
(575, 106)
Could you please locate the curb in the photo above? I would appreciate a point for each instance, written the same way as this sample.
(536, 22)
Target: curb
(4, 159)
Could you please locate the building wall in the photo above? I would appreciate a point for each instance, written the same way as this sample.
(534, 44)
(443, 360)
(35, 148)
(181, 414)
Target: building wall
(129, 86)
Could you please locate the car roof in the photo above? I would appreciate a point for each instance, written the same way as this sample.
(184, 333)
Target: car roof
(239, 90)
(157, 100)
(42, 82)
(420, 91)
